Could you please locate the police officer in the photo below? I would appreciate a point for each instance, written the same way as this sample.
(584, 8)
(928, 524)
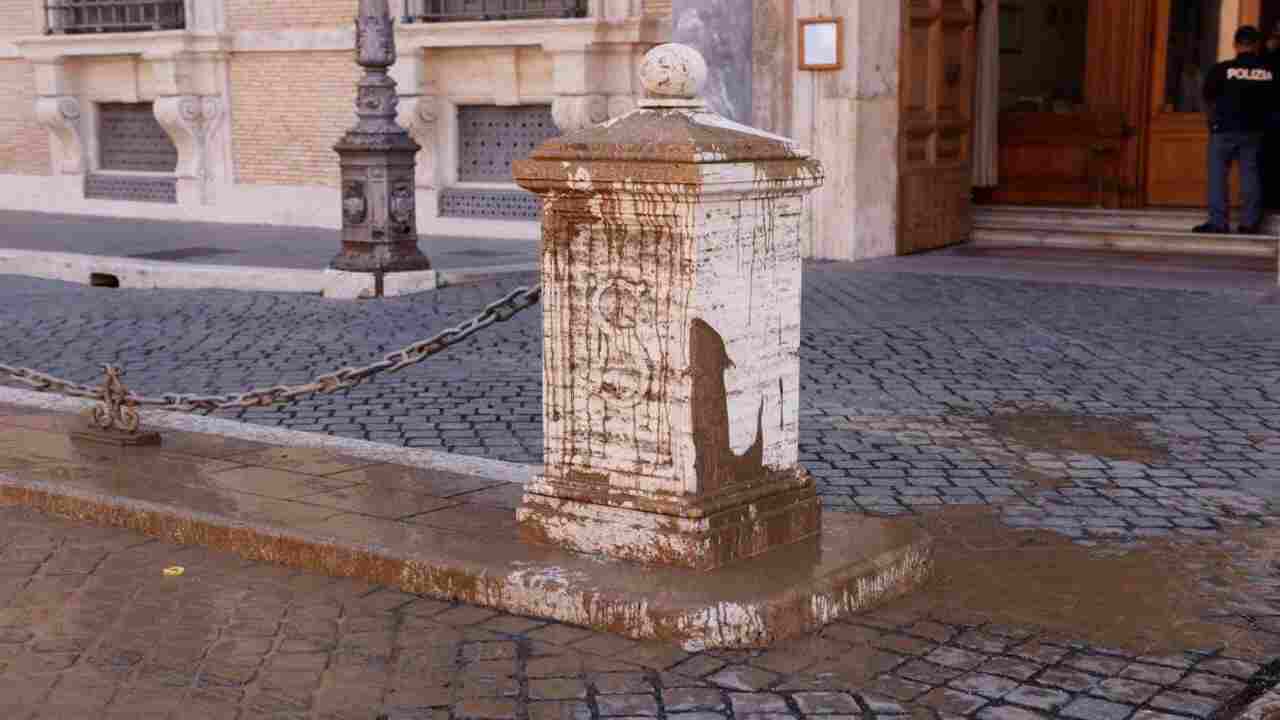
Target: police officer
(1238, 94)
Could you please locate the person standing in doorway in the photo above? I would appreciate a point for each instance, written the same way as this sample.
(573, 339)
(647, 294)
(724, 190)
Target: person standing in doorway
(1238, 94)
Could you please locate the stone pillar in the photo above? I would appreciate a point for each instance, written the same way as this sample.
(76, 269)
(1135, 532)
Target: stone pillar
(379, 203)
(671, 269)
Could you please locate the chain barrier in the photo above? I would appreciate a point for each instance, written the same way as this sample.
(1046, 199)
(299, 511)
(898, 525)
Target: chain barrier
(114, 395)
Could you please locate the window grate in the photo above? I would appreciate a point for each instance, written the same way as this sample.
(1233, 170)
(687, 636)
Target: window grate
(473, 10)
(490, 204)
(131, 188)
(97, 16)
(131, 139)
(490, 138)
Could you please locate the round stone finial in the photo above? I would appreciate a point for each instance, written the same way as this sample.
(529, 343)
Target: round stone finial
(673, 75)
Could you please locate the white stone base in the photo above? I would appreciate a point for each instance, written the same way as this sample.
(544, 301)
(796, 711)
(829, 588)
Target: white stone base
(287, 205)
(156, 274)
(341, 285)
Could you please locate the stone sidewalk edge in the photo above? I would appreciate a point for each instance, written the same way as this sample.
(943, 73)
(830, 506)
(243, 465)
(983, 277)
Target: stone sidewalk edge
(666, 605)
(497, 470)
(158, 274)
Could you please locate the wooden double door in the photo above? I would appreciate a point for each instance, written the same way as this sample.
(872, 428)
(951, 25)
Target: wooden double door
(1136, 134)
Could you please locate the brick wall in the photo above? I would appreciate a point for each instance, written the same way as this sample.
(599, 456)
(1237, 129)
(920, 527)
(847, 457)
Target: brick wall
(17, 17)
(24, 143)
(288, 109)
(288, 14)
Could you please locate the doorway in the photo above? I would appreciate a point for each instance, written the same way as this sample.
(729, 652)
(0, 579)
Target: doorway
(1072, 102)
(1100, 102)
(1190, 37)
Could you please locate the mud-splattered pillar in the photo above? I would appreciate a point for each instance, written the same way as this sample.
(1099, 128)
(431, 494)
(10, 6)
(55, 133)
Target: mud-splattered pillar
(671, 264)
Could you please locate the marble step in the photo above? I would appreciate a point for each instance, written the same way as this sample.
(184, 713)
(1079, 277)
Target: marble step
(1119, 239)
(1091, 219)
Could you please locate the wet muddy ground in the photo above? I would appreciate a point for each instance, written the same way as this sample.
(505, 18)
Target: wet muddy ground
(1099, 465)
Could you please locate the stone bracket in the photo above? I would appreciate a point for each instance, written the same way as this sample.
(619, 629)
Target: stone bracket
(418, 115)
(191, 122)
(61, 115)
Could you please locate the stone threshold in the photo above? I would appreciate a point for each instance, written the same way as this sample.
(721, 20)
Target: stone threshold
(441, 534)
(135, 273)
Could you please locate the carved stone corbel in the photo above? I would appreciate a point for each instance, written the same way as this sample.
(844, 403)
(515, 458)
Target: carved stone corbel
(190, 121)
(577, 112)
(417, 114)
(213, 112)
(61, 115)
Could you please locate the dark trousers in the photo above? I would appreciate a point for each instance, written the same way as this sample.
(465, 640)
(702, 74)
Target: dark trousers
(1225, 148)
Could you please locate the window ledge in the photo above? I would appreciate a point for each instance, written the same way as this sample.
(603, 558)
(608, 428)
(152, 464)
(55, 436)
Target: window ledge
(535, 32)
(37, 48)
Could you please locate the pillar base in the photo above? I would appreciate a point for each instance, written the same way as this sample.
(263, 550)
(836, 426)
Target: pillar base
(707, 542)
(380, 258)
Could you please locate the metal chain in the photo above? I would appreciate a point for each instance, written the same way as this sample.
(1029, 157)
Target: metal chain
(503, 310)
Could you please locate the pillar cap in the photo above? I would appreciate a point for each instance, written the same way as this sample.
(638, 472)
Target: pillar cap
(673, 75)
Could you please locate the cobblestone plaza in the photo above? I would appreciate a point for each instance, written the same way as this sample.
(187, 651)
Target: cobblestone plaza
(1136, 429)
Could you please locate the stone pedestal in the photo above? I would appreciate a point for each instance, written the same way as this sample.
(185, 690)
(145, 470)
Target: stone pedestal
(379, 196)
(671, 267)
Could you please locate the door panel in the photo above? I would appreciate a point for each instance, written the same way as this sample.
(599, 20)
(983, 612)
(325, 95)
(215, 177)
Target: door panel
(1084, 150)
(1190, 35)
(936, 105)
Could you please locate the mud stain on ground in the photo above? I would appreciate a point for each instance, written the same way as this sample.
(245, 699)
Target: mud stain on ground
(1157, 599)
(1036, 480)
(1110, 436)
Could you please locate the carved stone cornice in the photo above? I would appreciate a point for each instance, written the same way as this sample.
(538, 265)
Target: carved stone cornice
(61, 115)
(45, 48)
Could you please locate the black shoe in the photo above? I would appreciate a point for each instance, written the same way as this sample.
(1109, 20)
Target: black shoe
(1249, 230)
(1207, 229)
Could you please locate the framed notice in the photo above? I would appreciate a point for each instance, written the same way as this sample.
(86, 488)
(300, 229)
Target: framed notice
(821, 43)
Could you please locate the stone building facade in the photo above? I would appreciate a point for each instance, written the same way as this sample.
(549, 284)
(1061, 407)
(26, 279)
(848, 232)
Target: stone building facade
(227, 110)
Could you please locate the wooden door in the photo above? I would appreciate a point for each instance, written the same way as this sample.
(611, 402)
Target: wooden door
(1083, 150)
(937, 60)
(1190, 35)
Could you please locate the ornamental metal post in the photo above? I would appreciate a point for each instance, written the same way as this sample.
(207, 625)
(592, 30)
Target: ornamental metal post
(379, 213)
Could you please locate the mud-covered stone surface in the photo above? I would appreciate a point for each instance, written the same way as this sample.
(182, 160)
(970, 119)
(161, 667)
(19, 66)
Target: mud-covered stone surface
(1103, 462)
(91, 627)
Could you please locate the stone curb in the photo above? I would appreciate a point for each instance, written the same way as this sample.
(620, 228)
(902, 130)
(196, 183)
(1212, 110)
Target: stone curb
(377, 452)
(159, 274)
(811, 586)
(858, 563)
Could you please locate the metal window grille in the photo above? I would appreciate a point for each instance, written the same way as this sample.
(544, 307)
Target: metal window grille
(490, 204)
(133, 188)
(490, 138)
(97, 16)
(130, 138)
(461, 10)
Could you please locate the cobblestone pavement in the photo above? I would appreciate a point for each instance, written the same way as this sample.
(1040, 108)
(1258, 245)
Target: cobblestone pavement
(90, 627)
(1110, 416)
